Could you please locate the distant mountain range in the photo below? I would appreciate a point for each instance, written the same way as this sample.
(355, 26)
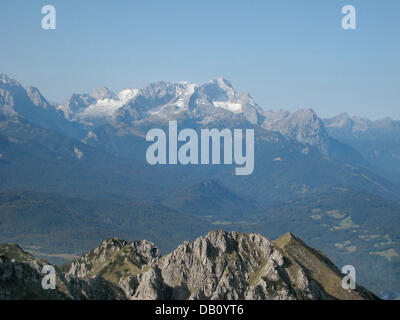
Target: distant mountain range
(118, 123)
(219, 266)
(378, 141)
(81, 165)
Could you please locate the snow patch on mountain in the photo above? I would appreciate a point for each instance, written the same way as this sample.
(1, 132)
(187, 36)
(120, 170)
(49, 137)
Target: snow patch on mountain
(232, 107)
(127, 94)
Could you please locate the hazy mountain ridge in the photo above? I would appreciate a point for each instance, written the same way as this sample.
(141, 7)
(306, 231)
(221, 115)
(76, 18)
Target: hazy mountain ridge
(346, 126)
(221, 265)
(377, 140)
(132, 112)
(30, 104)
(213, 102)
(209, 197)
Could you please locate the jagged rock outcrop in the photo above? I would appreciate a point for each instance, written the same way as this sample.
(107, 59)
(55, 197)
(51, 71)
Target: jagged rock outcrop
(303, 126)
(103, 93)
(232, 265)
(115, 259)
(21, 279)
(28, 103)
(221, 265)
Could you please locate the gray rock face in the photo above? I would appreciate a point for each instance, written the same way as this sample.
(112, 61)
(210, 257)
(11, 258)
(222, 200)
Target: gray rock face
(227, 265)
(344, 126)
(29, 104)
(302, 125)
(221, 265)
(137, 253)
(75, 104)
(37, 98)
(21, 278)
(101, 93)
(224, 265)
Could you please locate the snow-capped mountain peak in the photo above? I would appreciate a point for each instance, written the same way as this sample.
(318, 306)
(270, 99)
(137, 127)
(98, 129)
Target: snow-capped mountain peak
(161, 99)
(5, 79)
(97, 107)
(134, 110)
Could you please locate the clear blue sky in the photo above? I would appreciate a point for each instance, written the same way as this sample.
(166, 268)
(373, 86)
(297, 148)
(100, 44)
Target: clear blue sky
(286, 54)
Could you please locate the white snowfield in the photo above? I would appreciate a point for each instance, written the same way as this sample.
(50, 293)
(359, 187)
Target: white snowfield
(232, 107)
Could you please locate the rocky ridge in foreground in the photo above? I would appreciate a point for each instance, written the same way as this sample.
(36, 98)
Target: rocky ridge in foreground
(221, 265)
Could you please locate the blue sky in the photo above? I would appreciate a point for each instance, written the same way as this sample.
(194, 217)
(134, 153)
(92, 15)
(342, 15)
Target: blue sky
(286, 54)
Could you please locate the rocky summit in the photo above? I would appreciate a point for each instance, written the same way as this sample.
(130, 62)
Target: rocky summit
(221, 265)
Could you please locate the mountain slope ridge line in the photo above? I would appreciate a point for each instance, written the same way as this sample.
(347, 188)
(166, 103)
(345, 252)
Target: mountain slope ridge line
(219, 266)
